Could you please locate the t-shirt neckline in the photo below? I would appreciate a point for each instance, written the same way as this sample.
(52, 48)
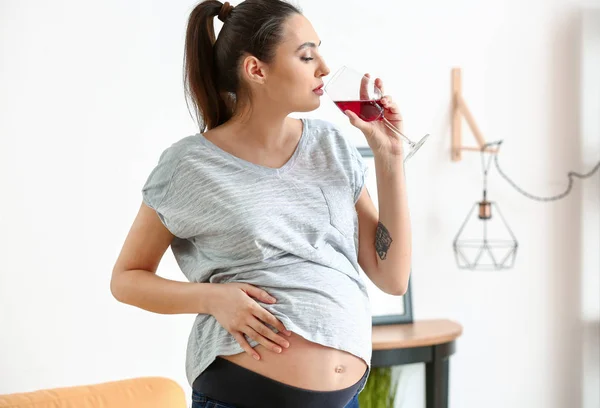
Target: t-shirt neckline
(257, 167)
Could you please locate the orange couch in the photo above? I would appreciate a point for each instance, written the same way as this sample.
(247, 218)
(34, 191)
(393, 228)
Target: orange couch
(143, 392)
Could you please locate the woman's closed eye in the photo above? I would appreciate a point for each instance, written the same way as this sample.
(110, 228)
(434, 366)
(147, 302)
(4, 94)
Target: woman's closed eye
(306, 59)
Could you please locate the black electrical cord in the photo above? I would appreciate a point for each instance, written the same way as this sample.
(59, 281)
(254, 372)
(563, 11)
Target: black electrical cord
(570, 174)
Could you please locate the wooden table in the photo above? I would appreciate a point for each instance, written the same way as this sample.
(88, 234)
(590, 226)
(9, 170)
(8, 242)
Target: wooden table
(427, 341)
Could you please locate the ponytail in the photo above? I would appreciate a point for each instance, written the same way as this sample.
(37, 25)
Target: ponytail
(200, 71)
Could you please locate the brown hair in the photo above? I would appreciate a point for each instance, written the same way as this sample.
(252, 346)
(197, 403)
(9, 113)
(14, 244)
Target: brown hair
(211, 64)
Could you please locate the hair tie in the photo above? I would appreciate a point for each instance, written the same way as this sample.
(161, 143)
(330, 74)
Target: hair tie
(225, 11)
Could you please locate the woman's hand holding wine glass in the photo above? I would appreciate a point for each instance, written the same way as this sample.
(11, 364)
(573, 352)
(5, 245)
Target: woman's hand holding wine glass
(376, 115)
(381, 139)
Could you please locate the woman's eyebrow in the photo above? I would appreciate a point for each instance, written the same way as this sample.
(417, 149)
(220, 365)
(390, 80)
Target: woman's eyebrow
(308, 44)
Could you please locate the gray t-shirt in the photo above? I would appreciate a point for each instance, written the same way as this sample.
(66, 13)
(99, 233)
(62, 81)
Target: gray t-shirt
(291, 231)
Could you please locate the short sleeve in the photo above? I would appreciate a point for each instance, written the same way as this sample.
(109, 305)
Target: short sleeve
(156, 192)
(360, 172)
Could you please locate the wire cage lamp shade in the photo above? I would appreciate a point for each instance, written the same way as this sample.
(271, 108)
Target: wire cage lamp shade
(485, 241)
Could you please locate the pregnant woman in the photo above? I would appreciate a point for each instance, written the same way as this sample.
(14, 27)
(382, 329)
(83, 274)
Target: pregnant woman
(269, 220)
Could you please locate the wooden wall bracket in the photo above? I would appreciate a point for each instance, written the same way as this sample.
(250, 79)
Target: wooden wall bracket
(460, 110)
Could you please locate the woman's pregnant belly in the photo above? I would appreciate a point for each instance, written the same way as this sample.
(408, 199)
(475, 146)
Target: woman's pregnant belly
(323, 305)
(305, 365)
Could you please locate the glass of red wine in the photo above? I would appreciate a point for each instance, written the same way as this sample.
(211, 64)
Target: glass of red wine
(351, 90)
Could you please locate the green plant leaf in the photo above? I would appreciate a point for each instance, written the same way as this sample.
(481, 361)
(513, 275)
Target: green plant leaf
(380, 389)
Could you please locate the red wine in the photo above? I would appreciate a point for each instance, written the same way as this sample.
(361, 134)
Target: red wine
(366, 110)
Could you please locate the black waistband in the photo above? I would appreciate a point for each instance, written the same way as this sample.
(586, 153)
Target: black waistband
(236, 385)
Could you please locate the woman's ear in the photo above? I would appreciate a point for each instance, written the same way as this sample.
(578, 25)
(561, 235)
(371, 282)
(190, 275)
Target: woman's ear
(254, 70)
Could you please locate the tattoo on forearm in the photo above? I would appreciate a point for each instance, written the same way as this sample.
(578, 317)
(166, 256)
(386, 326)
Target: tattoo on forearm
(382, 240)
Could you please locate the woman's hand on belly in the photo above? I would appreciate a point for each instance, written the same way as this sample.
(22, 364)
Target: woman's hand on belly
(233, 307)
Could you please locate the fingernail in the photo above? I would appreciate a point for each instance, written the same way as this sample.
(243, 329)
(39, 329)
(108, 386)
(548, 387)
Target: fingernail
(278, 349)
(289, 333)
(286, 344)
(272, 299)
(256, 357)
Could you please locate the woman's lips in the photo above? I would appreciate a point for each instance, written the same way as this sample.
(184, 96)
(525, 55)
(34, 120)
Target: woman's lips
(318, 91)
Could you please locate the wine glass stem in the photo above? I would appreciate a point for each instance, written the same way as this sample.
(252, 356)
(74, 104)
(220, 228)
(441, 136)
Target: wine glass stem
(398, 132)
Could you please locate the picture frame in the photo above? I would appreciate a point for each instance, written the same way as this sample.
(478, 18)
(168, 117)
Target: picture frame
(386, 309)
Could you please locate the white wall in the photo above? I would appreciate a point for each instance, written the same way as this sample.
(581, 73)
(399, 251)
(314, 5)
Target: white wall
(590, 213)
(91, 93)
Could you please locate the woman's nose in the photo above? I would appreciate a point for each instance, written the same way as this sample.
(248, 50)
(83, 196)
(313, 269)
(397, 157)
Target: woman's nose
(324, 70)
